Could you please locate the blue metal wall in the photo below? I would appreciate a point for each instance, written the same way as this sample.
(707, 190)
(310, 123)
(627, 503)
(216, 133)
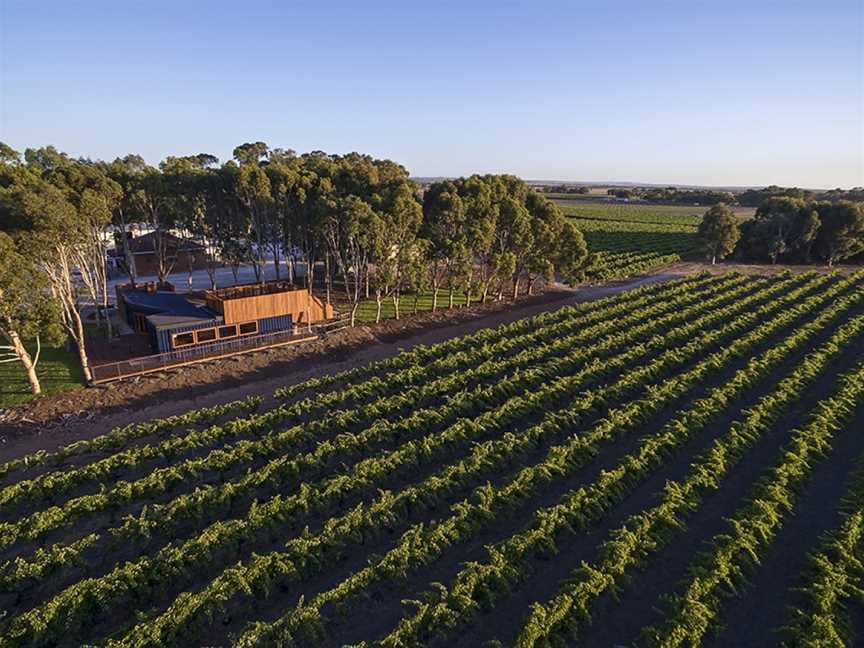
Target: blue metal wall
(162, 336)
(273, 324)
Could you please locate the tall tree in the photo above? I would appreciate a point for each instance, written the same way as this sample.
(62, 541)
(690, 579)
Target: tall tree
(718, 232)
(197, 207)
(444, 228)
(95, 196)
(557, 246)
(353, 231)
(27, 311)
(252, 188)
(39, 212)
(841, 234)
(395, 250)
(125, 172)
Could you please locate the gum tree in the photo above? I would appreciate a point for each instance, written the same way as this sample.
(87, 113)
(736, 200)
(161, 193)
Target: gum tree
(718, 232)
(27, 311)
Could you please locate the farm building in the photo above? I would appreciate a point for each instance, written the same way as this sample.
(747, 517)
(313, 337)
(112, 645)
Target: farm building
(180, 254)
(176, 321)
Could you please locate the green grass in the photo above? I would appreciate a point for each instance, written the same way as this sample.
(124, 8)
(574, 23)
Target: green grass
(367, 309)
(58, 370)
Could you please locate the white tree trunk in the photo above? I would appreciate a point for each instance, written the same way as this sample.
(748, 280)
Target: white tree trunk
(20, 353)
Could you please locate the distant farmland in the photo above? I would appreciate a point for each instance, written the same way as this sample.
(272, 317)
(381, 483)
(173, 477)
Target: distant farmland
(631, 239)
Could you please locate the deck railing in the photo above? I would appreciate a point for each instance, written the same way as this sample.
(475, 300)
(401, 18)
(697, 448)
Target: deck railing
(147, 364)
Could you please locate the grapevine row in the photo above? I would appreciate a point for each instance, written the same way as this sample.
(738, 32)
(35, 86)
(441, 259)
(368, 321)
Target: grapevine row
(312, 552)
(510, 560)
(753, 527)
(649, 530)
(276, 445)
(272, 514)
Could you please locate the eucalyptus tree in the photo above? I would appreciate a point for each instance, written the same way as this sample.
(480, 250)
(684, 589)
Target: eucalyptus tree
(27, 310)
(196, 206)
(557, 247)
(481, 220)
(314, 196)
(353, 231)
(36, 211)
(395, 247)
(95, 196)
(252, 188)
(444, 216)
(125, 172)
(282, 171)
(516, 237)
(841, 233)
(718, 232)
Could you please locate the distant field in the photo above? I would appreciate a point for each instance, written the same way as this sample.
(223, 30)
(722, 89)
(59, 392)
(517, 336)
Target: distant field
(589, 206)
(631, 239)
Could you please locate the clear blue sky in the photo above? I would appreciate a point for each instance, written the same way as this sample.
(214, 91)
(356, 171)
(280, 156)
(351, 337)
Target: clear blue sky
(720, 92)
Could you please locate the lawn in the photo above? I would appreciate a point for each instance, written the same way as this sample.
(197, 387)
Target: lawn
(58, 370)
(367, 309)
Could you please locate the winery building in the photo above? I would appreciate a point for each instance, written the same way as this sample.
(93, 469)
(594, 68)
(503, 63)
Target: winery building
(175, 322)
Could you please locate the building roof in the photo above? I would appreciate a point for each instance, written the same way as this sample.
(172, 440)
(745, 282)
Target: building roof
(166, 321)
(167, 308)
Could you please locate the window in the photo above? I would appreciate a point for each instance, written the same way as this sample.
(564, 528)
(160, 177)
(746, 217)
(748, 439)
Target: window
(227, 331)
(140, 323)
(205, 335)
(248, 328)
(183, 339)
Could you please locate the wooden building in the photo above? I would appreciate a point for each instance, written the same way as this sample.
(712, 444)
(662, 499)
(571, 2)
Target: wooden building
(175, 321)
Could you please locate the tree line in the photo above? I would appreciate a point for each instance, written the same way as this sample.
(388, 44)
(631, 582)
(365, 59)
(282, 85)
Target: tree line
(746, 198)
(356, 224)
(787, 229)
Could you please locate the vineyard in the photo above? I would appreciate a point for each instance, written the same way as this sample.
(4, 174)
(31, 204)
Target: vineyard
(653, 468)
(631, 239)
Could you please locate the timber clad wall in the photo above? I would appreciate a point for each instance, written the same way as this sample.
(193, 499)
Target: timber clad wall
(293, 303)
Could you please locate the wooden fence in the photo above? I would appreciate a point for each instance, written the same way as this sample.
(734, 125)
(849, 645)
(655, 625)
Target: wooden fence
(111, 371)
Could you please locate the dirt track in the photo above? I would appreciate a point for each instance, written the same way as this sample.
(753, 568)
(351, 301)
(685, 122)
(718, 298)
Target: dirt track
(58, 420)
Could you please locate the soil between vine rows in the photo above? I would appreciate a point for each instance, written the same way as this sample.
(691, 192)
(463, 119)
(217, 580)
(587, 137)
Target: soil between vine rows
(771, 590)
(383, 608)
(615, 621)
(609, 626)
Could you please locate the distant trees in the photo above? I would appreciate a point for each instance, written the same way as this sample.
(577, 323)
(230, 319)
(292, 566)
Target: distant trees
(841, 231)
(782, 227)
(718, 232)
(755, 197)
(797, 231)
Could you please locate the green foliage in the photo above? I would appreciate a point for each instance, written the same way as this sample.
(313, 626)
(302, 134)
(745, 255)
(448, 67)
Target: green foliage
(793, 230)
(628, 240)
(841, 234)
(718, 232)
